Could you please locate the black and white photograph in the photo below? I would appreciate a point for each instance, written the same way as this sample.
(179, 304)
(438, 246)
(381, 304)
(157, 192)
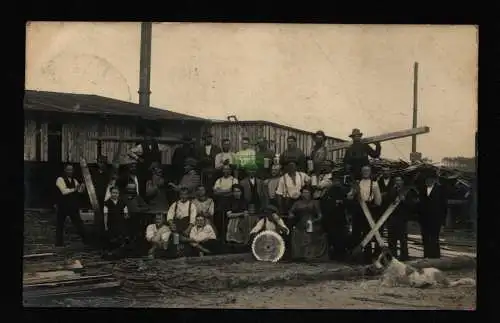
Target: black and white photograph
(250, 166)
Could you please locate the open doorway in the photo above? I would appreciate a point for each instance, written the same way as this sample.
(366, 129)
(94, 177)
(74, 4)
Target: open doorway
(54, 143)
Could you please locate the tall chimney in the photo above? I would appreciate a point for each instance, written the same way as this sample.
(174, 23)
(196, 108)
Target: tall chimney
(145, 64)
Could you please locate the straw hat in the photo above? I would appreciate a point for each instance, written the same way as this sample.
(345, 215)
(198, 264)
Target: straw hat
(355, 132)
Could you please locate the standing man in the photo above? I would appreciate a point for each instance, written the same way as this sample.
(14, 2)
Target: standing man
(68, 204)
(146, 153)
(101, 178)
(206, 158)
(293, 153)
(253, 189)
(290, 186)
(432, 213)
(244, 157)
(264, 158)
(366, 190)
(226, 156)
(356, 156)
(319, 151)
(187, 150)
(385, 183)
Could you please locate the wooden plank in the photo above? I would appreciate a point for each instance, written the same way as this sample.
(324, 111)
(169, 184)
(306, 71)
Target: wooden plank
(384, 137)
(39, 255)
(73, 280)
(52, 266)
(163, 140)
(70, 290)
(89, 186)
(447, 252)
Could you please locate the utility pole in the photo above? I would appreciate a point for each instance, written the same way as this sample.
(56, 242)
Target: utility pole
(145, 64)
(415, 106)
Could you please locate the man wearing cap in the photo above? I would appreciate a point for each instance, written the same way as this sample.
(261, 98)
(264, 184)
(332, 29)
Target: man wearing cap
(145, 154)
(191, 180)
(356, 156)
(264, 158)
(187, 150)
(293, 153)
(319, 151)
(432, 210)
(206, 158)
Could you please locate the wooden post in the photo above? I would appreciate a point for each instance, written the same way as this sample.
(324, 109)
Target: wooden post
(100, 131)
(145, 64)
(415, 106)
(38, 140)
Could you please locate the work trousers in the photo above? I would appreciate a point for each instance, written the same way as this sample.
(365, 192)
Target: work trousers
(430, 238)
(397, 231)
(73, 213)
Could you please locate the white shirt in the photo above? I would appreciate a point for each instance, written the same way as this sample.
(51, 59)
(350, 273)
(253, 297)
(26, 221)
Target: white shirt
(202, 234)
(265, 224)
(61, 185)
(245, 157)
(182, 211)
(225, 184)
(252, 180)
(138, 151)
(221, 157)
(429, 189)
(287, 188)
(208, 149)
(136, 181)
(364, 191)
(162, 233)
(386, 181)
(206, 206)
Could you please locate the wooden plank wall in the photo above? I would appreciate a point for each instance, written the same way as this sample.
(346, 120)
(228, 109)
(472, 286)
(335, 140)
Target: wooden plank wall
(30, 137)
(277, 137)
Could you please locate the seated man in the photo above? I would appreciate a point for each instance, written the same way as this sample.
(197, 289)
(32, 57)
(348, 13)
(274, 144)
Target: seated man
(181, 217)
(270, 221)
(157, 234)
(202, 238)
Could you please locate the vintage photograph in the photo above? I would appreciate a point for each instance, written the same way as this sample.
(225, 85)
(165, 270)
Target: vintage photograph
(250, 165)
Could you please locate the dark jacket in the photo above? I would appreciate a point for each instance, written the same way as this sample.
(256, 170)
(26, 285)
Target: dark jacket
(296, 155)
(207, 161)
(356, 156)
(178, 158)
(432, 209)
(259, 186)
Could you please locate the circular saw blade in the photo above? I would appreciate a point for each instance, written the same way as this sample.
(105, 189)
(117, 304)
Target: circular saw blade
(268, 246)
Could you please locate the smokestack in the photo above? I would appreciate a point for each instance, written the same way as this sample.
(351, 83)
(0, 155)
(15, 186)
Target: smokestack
(145, 64)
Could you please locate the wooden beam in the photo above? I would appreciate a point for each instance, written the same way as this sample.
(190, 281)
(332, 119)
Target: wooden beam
(38, 140)
(163, 140)
(38, 255)
(384, 137)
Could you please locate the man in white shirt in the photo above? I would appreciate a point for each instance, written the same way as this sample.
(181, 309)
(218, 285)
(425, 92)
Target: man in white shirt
(181, 215)
(367, 190)
(322, 181)
(68, 204)
(289, 186)
(245, 157)
(225, 156)
(202, 234)
(269, 221)
(158, 235)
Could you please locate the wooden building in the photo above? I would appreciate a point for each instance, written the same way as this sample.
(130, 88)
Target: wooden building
(275, 133)
(58, 127)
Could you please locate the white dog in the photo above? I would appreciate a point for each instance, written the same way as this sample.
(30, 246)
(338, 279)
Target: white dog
(398, 273)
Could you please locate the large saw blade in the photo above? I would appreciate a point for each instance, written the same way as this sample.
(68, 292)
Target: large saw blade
(268, 246)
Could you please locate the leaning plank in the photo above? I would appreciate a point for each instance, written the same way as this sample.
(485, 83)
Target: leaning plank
(39, 255)
(70, 290)
(89, 185)
(385, 137)
(163, 140)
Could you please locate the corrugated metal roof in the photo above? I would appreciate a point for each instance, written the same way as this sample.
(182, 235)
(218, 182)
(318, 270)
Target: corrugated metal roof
(274, 124)
(95, 104)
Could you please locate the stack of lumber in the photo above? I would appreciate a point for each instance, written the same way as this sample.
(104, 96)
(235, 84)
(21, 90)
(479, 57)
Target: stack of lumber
(53, 277)
(138, 279)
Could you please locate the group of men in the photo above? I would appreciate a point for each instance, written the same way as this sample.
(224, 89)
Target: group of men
(266, 181)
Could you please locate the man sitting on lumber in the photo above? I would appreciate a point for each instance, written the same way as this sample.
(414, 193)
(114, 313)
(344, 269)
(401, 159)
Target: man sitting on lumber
(202, 238)
(157, 234)
(270, 220)
(356, 156)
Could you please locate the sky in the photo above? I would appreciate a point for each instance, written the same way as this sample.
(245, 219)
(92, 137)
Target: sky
(329, 77)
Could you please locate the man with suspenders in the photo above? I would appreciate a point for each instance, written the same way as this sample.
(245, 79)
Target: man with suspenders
(289, 186)
(181, 215)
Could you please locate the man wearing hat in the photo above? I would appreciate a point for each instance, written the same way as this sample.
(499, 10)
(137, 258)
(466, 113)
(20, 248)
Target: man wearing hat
(432, 210)
(146, 153)
(190, 180)
(356, 156)
(206, 157)
(319, 151)
(187, 150)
